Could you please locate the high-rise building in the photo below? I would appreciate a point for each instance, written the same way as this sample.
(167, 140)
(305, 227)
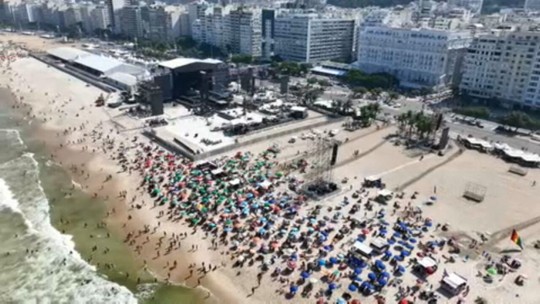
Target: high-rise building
(101, 18)
(268, 21)
(245, 32)
(131, 21)
(158, 23)
(475, 6)
(532, 5)
(313, 37)
(504, 65)
(196, 11)
(115, 7)
(72, 16)
(417, 57)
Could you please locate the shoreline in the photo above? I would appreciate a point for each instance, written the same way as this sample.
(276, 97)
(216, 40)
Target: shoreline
(68, 156)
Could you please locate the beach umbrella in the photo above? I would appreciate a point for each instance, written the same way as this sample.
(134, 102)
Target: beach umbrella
(357, 270)
(332, 286)
(341, 301)
(372, 276)
(322, 262)
(492, 271)
(379, 264)
(353, 287)
(305, 275)
(313, 281)
(356, 278)
(334, 260)
(291, 264)
(355, 301)
(401, 269)
(293, 289)
(321, 301)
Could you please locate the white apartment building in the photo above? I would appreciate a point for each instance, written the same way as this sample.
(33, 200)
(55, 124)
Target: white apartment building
(532, 5)
(100, 18)
(419, 58)
(115, 7)
(131, 21)
(475, 6)
(158, 23)
(196, 11)
(504, 65)
(72, 16)
(245, 32)
(313, 38)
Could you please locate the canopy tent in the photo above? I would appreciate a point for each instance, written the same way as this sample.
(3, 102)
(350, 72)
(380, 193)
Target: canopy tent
(427, 262)
(453, 283)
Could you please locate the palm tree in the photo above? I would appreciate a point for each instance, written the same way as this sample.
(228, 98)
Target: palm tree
(423, 124)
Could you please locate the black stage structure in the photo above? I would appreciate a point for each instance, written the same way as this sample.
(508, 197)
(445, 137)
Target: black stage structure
(189, 74)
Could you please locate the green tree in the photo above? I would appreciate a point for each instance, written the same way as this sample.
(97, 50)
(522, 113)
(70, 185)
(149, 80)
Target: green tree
(476, 112)
(359, 91)
(324, 83)
(312, 80)
(423, 124)
(357, 78)
(517, 120)
(246, 59)
(393, 95)
(369, 113)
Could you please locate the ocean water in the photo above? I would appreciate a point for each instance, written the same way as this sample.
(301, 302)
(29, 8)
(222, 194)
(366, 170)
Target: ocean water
(43, 260)
(38, 263)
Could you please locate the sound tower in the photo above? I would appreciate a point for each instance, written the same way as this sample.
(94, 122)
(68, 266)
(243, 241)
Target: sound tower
(439, 121)
(334, 154)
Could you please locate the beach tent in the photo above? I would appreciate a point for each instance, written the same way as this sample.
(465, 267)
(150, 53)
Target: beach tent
(453, 283)
(360, 250)
(265, 184)
(379, 245)
(426, 266)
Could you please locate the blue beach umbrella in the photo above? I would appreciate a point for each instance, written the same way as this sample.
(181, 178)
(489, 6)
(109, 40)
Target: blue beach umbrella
(341, 301)
(305, 275)
(293, 289)
(353, 287)
(372, 276)
(357, 270)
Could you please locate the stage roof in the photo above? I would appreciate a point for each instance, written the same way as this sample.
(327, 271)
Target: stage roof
(67, 53)
(99, 63)
(123, 78)
(181, 62)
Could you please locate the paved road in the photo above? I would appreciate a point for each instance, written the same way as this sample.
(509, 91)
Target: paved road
(458, 128)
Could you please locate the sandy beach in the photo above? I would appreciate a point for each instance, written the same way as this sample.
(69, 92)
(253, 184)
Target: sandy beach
(84, 140)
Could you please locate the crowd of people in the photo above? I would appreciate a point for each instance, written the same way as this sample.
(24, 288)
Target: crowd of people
(245, 204)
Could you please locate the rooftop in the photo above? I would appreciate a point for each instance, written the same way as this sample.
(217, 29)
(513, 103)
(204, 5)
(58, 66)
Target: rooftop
(123, 78)
(180, 62)
(99, 63)
(68, 53)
